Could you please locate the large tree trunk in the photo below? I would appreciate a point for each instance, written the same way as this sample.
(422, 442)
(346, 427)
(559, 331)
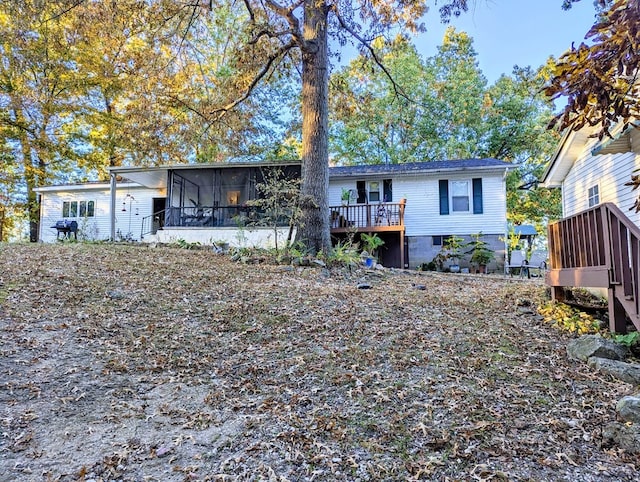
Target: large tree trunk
(314, 231)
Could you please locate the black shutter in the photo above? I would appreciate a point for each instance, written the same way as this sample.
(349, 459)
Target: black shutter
(387, 190)
(444, 196)
(362, 192)
(477, 196)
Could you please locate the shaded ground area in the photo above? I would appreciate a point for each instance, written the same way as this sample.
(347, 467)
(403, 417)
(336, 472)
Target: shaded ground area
(138, 364)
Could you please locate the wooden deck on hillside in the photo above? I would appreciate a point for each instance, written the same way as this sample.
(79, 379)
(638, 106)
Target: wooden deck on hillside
(598, 248)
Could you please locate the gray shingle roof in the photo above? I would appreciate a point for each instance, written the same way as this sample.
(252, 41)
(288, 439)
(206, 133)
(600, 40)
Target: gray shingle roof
(417, 167)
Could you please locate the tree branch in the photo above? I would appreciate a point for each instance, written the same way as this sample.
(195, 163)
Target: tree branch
(288, 15)
(220, 112)
(397, 89)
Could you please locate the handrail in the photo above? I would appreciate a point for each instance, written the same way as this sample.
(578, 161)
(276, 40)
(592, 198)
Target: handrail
(209, 217)
(599, 247)
(358, 216)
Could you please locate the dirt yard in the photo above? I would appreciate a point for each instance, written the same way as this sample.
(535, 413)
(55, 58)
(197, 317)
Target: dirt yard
(127, 363)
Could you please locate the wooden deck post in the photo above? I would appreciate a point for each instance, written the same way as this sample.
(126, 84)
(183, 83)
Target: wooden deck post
(557, 293)
(617, 314)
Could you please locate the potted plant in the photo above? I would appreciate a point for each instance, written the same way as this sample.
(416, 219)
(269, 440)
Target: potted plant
(370, 245)
(480, 252)
(453, 246)
(345, 196)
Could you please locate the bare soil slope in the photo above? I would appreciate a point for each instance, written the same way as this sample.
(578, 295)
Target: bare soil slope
(128, 363)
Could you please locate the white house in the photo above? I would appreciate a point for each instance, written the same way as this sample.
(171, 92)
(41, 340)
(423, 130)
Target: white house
(591, 172)
(89, 204)
(413, 207)
(597, 243)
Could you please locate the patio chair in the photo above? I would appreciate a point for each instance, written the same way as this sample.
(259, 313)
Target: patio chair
(537, 262)
(517, 262)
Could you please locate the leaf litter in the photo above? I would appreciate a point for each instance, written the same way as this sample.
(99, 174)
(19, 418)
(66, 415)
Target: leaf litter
(129, 363)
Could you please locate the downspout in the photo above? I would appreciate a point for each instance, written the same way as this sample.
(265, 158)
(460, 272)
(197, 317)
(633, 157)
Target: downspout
(112, 211)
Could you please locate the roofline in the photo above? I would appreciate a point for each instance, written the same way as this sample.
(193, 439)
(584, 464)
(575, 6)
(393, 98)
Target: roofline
(86, 186)
(413, 172)
(556, 156)
(123, 170)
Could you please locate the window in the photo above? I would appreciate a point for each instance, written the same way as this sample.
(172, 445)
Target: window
(460, 196)
(78, 209)
(456, 196)
(374, 191)
(594, 196)
(440, 240)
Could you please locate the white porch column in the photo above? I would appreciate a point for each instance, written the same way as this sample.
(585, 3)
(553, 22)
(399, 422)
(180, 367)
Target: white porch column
(112, 211)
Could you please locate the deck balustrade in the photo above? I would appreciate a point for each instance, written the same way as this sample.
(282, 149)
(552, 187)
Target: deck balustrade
(598, 248)
(377, 217)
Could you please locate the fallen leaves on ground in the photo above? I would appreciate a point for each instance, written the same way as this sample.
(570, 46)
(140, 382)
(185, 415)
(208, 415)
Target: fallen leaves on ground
(123, 362)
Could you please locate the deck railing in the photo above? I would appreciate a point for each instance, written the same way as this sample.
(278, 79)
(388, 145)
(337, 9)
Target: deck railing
(598, 248)
(370, 217)
(207, 217)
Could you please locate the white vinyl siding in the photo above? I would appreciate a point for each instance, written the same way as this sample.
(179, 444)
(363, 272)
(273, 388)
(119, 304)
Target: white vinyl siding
(422, 212)
(610, 172)
(96, 227)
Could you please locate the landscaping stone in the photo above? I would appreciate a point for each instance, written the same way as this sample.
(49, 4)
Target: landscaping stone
(589, 346)
(624, 436)
(627, 372)
(628, 408)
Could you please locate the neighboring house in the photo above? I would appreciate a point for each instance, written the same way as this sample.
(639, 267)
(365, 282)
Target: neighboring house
(597, 243)
(412, 207)
(591, 172)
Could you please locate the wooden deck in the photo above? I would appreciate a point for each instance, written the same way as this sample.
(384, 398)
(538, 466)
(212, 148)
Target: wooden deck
(367, 218)
(598, 248)
(379, 218)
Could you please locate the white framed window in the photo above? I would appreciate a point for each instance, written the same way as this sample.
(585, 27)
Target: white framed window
(374, 191)
(460, 196)
(594, 196)
(78, 209)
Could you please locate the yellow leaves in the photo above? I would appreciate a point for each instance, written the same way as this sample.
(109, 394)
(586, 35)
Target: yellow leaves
(569, 319)
(136, 44)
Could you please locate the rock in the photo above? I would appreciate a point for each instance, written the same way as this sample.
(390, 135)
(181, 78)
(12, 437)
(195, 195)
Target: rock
(116, 294)
(627, 372)
(164, 451)
(587, 346)
(302, 261)
(624, 436)
(628, 408)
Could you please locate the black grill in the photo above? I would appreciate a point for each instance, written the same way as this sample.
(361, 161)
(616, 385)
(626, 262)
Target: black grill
(66, 228)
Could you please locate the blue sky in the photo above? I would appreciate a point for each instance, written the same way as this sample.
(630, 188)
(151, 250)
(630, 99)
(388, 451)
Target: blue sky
(510, 32)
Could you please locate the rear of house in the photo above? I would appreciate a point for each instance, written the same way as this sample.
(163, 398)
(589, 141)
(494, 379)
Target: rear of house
(441, 199)
(412, 207)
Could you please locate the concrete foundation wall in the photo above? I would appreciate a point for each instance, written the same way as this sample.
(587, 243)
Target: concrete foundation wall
(234, 237)
(422, 250)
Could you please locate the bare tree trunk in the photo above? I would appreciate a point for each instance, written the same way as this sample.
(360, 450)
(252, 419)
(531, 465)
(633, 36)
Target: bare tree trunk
(315, 121)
